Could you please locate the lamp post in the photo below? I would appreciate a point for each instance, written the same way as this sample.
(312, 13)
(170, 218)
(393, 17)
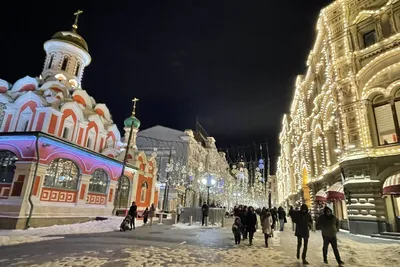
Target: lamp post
(118, 195)
(208, 183)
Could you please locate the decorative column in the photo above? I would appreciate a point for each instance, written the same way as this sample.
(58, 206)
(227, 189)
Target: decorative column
(378, 27)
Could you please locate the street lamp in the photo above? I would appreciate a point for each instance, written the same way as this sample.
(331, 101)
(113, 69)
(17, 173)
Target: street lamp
(208, 183)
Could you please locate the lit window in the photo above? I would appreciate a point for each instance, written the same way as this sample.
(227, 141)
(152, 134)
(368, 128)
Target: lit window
(99, 182)
(122, 198)
(62, 173)
(369, 38)
(7, 166)
(385, 121)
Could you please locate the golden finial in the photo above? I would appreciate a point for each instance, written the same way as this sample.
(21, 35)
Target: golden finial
(134, 106)
(75, 26)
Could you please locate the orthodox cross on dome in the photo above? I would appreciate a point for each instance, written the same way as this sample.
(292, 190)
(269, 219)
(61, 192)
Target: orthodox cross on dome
(134, 106)
(75, 25)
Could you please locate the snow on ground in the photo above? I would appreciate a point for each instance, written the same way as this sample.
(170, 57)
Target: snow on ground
(12, 237)
(194, 226)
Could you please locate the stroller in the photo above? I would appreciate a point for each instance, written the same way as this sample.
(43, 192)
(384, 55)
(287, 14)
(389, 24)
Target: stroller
(125, 225)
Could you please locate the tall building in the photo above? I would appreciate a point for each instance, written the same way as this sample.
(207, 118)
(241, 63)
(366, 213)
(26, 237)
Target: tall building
(340, 140)
(186, 159)
(60, 152)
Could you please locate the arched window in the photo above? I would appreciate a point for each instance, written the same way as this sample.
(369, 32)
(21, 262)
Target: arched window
(77, 69)
(7, 166)
(62, 173)
(122, 195)
(143, 192)
(50, 61)
(98, 182)
(386, 114)
(64, 63)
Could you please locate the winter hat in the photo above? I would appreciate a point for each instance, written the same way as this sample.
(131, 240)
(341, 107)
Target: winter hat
(304, 207)
(329, 206)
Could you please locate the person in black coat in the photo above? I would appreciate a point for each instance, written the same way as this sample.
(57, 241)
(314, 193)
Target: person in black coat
(291, 211)
(303, 222)
(133, 213)
(243, 219)
(204, 212)
(251, 224)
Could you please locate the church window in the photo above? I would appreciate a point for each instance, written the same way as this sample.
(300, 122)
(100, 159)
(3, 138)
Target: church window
(65, 134)
(78, 66)
(7, 166)
(64, 63)
(24, 120)
(98, 182)
(50, 61)
(62, 173)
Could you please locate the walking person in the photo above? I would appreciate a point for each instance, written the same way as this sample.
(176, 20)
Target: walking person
(152, 213)
(266, 225)
(204, 213)
(274, 215)
(303, 222)
(243, 219)
(291, 211)
(133, 213)
(178, 212)
(282, 218)
(251, 224)
(237, 229)
(329, 226)
(145, 215)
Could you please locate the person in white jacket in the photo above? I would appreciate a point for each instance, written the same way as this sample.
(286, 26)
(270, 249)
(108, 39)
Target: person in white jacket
(178, 211)
(266, 224)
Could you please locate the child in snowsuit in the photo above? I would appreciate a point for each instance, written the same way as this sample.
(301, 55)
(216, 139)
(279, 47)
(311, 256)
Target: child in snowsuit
(237, 230)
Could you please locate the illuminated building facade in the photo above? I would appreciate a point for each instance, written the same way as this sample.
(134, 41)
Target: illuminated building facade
(60, 152)
(340, 141)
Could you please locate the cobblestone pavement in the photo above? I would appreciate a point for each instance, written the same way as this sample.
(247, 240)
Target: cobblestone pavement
(161, 245)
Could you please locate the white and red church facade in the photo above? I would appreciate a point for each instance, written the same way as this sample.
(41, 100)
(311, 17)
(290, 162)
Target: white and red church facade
(61, 154)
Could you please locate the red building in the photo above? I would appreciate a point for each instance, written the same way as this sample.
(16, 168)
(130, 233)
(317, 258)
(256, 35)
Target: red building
(61, 154)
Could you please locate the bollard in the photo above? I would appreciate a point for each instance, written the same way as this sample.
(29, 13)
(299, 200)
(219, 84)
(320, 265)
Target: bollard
(190, 220)
(176, 218)
(313, 226)
(223, 221)
(206, 220)
(161, 217)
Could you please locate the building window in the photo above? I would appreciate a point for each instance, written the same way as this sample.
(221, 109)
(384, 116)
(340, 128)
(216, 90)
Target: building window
(64, 63)
(62, 173)
(99, 182)
(122, 197)
(65, 134)
(7, 166)
(78, 66)
(50, 61)
(369, 38)
(89, 143)
(386, 119)
(143, 192)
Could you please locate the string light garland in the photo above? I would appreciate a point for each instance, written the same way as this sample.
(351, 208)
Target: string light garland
(328, 121)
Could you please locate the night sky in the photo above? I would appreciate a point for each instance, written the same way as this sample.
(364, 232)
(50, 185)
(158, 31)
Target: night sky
(230, 63)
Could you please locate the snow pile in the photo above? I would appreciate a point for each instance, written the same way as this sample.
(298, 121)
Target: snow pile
(12, 237)
(369, 254)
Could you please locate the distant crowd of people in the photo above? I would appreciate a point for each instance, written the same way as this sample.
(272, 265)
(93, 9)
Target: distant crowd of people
(245, 225)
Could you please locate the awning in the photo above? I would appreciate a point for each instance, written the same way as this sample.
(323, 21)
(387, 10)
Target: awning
(321, 196)
(335, 192)
(392, 185)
